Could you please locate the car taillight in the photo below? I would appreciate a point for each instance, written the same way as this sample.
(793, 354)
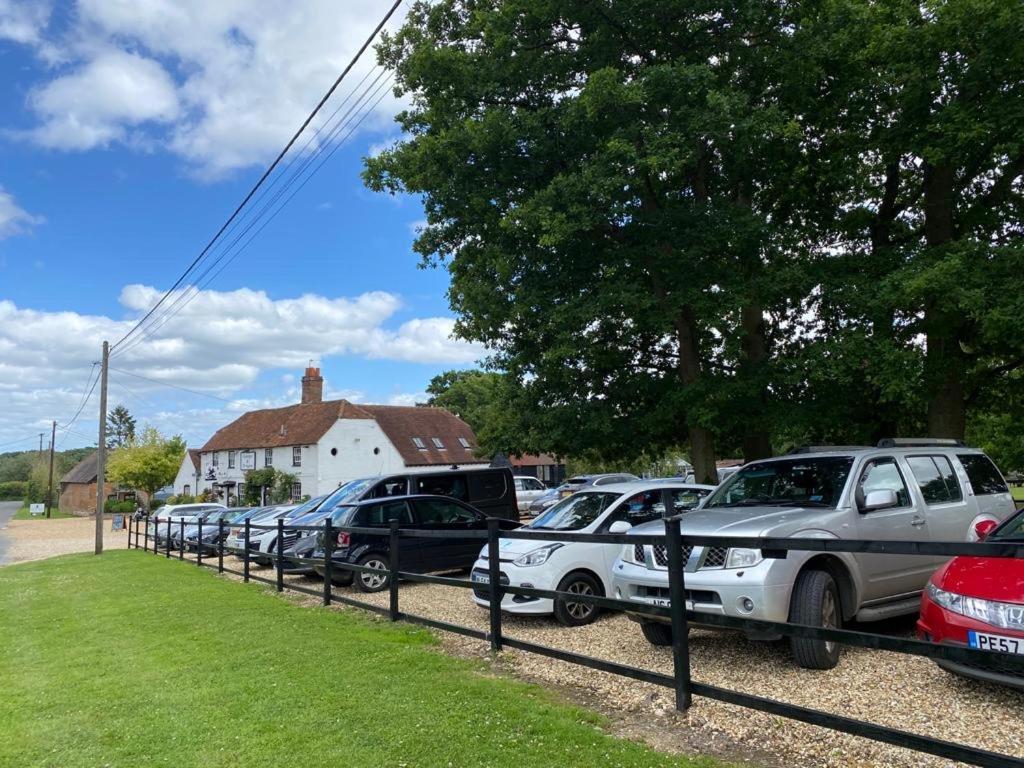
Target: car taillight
(344, 539)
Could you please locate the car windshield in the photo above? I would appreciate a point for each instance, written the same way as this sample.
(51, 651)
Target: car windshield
(350, 491)
(804, 481)
(342, 514)
(574, 513)
(310, 518)
(1011, 530)
(309, 506)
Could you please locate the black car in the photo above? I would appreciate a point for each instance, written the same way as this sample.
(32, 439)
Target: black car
(416, 555)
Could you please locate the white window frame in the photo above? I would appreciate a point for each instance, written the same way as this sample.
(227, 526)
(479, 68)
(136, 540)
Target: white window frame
(231, 459)
(464, 443)
(297, 456)
(438, 443)
(268, 457)
(215, 459)
(296, 490)
(418, 442)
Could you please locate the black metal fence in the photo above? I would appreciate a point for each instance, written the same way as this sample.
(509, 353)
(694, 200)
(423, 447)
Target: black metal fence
(212, 555)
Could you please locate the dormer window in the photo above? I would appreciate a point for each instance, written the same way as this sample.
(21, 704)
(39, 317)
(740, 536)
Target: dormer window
(418, 442)
(437, 443)
(464, 443)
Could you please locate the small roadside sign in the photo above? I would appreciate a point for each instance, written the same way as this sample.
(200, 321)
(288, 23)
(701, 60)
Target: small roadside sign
(118, 523)
(37, 509)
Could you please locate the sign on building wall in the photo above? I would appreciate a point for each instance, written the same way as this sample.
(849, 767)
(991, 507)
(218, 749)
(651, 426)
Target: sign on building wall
(247, 460)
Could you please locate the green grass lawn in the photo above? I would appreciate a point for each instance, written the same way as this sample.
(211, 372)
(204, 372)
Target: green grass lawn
(1017, 491)
(23, 514)
(133, 660)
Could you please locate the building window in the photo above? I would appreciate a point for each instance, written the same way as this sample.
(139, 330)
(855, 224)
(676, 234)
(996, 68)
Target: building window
(231, 459)
(437, 443)
(464, 443)
(186, 491)
(419, 443)
(297, 456)
(216, 459)
(296, 491)
(240, 491)
(268, 457)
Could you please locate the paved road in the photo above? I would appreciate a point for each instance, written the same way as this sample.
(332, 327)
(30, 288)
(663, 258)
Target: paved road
(7, 510)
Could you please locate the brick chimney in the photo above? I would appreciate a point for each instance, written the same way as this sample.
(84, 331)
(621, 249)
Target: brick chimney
(312, 386)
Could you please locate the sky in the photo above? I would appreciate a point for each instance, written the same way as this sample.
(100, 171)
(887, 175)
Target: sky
(129, 131)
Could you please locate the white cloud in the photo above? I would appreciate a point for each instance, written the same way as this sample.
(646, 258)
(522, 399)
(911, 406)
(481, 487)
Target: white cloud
(223, 84)
(102, 101)
(14, 220)
(23, 21)
(219, 343)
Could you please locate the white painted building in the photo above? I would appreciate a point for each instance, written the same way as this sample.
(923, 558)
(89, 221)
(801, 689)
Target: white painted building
(189, 475)
(325, 444)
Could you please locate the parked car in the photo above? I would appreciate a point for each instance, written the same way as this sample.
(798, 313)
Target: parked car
(491, 490)
(211, 530)
(578, 567)
(928, 490)
(265, 546)
(527, 490)
(175, 513)
(260, 517)
(978, 602)
(574, 484)
(416, 555)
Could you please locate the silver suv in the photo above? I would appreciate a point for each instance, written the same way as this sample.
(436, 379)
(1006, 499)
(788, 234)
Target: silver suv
(913, 490)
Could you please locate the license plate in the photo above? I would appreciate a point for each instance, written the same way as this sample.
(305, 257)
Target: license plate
(664, 602)
(985, 642)
(481, 578)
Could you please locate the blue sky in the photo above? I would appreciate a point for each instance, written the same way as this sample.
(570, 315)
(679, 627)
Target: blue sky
(128, 132)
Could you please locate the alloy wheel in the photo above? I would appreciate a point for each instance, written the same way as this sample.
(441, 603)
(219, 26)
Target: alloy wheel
(829, 616)
(373, 580)
(579, 610)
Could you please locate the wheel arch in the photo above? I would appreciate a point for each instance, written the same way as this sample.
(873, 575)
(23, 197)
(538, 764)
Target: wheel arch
(589, 572)
(840, 573)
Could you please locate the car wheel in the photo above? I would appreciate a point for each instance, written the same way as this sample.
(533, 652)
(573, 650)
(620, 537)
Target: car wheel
(342, 578)
(657, 633)
(572, 614)
(372, 582)
(815, 602)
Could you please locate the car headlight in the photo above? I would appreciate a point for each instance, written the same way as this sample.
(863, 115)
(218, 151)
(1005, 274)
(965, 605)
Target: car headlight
(537, 556)
(743, 558)
(1004, 615)
(629, 554)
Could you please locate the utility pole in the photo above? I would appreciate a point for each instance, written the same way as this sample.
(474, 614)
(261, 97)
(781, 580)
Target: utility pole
(41, 443)
(49, 489)
(101, 451)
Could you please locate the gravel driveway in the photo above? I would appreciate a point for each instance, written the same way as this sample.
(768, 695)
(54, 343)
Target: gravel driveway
(40, 539)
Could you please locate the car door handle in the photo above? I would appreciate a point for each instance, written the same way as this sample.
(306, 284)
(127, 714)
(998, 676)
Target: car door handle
(917, 522)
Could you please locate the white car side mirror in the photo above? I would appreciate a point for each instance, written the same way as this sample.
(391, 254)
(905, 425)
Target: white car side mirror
(880, 499)
(619, 526)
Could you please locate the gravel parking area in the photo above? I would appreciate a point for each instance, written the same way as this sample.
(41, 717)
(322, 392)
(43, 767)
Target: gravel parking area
(891, 689)
(39, 539)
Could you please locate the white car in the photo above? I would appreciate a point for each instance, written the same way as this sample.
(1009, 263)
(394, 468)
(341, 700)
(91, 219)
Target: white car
(176, 513)
(236, 539)
(578, 567)
(527, 489)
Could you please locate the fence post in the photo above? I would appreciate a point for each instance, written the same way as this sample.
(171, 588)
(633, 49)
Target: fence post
(199, 543)
(145, 536)
(168, 546)
(393, 567)
(220, 545)
(130, 521)
(245, 555)
(181, 546)
(677, 609)
(494, 574)
(280, 554)
(328, 560)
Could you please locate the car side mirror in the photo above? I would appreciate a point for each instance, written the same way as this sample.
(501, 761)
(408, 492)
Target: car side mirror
(880, 499)
(983, 528)
(619, 526)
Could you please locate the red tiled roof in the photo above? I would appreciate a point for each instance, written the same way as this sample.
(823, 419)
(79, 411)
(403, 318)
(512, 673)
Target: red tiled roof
(306, 424)
(194, 455)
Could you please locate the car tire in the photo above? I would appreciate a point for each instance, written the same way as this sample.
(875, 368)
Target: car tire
(815, 603)
(369, 582)
(342, 578)
(570, 614)
(657, 633)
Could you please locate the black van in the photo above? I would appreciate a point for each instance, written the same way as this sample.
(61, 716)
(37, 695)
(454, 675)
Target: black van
(440, 514)
(491, 490)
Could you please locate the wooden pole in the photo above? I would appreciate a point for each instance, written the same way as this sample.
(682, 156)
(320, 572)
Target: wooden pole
(101, 451)
(49, 489)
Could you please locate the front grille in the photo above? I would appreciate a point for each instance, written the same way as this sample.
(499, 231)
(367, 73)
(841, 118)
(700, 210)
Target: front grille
(661, 554)
(483, 591)
(702, 596)
(638, 553)
(715, 557)
(290, 539)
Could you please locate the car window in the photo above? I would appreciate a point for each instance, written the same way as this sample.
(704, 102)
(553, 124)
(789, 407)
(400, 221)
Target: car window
(884, 475)
(484, 486)
(985, 478)
(520, 485)
(382, 514)
(393, 486)
(639, 508)
(442, 512)
(935, 478)
(534, 485)
(684, 499)
(812, 481)
(575, 512)
(453, 485)
(1011, 530)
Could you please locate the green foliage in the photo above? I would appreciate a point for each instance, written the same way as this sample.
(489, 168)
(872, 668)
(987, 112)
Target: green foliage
(155, 504)
(209, 496)
(147, 463)
(181, 499)
(13, 490)
(18, 465)
(114, 507)
(278, 485)
(120, 428)
(38, 482)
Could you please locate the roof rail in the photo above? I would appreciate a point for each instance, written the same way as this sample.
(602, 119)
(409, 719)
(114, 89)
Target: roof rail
(825, 449)
(920, 442)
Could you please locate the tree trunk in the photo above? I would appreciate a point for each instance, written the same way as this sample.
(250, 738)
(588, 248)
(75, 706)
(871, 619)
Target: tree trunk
(702, 448)
(702, 440)
(757, 442)
(945, 362)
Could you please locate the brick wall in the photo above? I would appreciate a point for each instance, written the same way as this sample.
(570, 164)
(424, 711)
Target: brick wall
(80, 499)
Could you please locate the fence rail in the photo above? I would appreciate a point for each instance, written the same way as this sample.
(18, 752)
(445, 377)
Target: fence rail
(161, 540)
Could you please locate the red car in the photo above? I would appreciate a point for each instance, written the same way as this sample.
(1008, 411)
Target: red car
(978, 602)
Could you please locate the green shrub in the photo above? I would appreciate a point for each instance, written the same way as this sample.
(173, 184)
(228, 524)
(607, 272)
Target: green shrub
(156, 503)
(15, 490)
(113, 507)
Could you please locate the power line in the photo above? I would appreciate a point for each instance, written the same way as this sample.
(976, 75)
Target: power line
(266, 173)
(85, 397)
(22, 440)
(172, 386)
